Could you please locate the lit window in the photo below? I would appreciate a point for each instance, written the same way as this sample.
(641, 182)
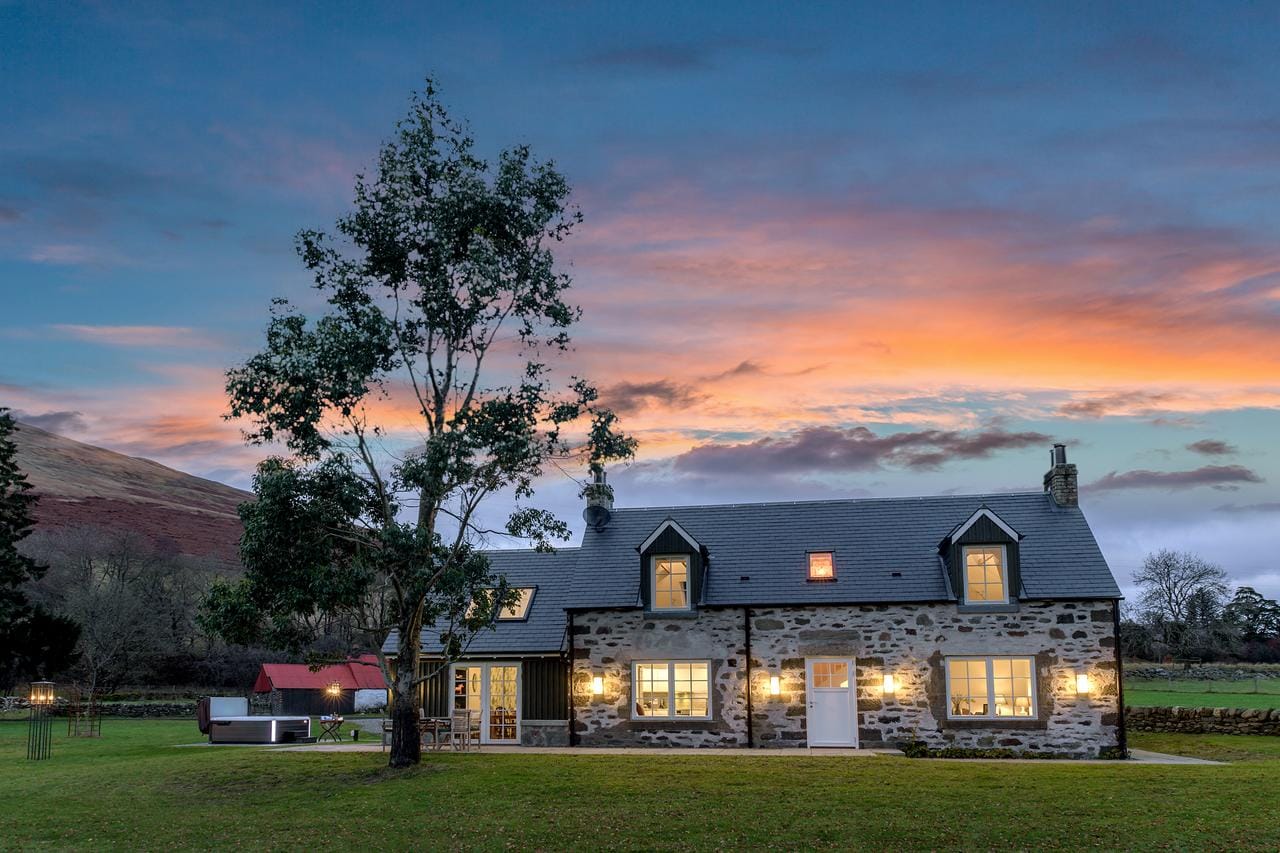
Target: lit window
(520, 609)
(672, 689)
(984, 575)
(670, 583)
(831, 673)
(991, 687)
(822, 566)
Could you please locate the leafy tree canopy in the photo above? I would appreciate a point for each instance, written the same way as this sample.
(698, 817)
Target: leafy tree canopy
(443, 313)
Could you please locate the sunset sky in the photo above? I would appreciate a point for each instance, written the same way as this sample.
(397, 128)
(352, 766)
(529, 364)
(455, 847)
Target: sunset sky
(828, 251)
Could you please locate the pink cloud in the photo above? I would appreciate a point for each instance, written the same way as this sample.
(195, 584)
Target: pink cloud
(137, 336)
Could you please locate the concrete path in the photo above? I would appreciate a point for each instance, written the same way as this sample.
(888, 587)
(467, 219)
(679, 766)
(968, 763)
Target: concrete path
(1143, 756)
(1139, 756)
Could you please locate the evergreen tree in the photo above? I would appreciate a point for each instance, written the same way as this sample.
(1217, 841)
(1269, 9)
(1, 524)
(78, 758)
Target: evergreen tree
(33, 642)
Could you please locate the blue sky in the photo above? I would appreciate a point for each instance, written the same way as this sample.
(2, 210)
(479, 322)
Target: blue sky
(815, 233)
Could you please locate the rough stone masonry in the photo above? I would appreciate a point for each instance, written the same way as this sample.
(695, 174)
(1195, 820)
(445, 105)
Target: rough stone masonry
(910, 641)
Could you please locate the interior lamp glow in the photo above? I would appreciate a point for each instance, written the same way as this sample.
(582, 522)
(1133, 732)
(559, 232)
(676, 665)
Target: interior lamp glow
(890, 686)
(1083, 688)
(775, 685)
(597, 685)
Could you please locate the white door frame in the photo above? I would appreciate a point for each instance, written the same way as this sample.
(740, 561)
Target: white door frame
(853, 700)
(485, 666)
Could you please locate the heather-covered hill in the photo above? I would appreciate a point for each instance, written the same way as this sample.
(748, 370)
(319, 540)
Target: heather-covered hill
(83, 485)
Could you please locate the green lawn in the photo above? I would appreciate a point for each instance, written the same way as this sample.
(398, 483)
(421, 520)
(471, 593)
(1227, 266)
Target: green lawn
(134, 789)
(1265, 693)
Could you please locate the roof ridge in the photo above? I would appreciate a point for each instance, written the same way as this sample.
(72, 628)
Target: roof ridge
(902, 499)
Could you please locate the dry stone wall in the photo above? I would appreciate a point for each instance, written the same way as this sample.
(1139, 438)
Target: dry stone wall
(909, 641)
(1229, 721)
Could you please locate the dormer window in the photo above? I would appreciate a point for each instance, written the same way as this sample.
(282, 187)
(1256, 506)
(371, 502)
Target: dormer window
(822, 566)
(671, 582)
(985, 575)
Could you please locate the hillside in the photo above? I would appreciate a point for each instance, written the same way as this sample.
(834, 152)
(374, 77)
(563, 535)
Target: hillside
(80, 484)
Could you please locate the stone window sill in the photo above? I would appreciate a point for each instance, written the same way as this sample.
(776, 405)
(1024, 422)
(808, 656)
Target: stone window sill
(997, 723)
(987, 608)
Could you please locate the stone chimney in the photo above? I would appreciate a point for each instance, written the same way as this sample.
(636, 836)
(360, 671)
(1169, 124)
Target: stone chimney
(599, 495)
(1060, 480)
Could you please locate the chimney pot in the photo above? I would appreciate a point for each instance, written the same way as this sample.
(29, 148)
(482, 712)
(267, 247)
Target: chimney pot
(1061, 481)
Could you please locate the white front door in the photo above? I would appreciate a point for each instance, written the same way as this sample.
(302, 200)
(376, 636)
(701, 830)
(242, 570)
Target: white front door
(492, 690)
(831, 690)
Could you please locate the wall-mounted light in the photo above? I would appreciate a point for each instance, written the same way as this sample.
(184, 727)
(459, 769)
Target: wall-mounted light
(334, 690)
(775, 685)
(890, 686)
(597, 685)
(1083, 687)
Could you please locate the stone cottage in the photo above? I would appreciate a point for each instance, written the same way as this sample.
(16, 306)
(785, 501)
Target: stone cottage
(959, 620)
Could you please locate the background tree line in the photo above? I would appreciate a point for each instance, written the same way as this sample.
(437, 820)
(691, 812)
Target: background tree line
(1186, 609)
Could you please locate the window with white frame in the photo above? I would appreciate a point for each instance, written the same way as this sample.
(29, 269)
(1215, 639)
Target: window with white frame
(990, 687)
(671, 583)
(985, 578)
(671, 689)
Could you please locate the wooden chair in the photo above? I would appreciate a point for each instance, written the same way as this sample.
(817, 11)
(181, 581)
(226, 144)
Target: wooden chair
(464, 731)
(386, 733)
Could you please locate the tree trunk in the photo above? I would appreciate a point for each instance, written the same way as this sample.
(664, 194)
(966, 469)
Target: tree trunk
(406, 742)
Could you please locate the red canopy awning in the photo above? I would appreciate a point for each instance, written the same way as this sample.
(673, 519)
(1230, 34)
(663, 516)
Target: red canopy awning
(359, 674)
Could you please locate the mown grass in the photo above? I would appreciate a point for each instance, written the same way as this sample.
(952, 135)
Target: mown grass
(1263, 693)
(1212, 747)
(135, 789)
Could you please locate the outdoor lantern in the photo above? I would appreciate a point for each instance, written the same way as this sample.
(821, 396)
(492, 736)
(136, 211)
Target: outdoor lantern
(597, 685)
(39, 731)
(890, 687)
(334, 690)
(1083, 687)
(775, 685)
(41, 693)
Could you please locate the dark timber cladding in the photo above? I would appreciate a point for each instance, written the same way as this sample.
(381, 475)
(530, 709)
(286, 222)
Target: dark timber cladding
(984, 532)
(544, 688)
(671, 543)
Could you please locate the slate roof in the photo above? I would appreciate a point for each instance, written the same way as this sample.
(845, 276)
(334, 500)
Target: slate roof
(544, 628)
(886, 550)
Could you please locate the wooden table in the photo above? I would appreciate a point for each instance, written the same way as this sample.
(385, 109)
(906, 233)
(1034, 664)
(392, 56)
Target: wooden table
(329, 729)
(436, 726)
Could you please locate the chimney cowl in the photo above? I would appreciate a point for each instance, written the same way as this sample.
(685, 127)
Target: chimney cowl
(1061, 481)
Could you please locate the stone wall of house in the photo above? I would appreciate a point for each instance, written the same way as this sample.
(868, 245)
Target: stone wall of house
(909, 641)
(544, 733)
(1230, 721)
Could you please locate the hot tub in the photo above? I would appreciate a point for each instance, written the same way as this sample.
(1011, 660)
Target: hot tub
(229, 721)
(251, 729)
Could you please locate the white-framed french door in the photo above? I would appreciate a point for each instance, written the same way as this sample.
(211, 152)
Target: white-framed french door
(831, 694)
(492, 690)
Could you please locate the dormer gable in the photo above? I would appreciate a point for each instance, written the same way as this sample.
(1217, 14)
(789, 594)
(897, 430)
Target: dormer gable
(672, 568)
(983, 560)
